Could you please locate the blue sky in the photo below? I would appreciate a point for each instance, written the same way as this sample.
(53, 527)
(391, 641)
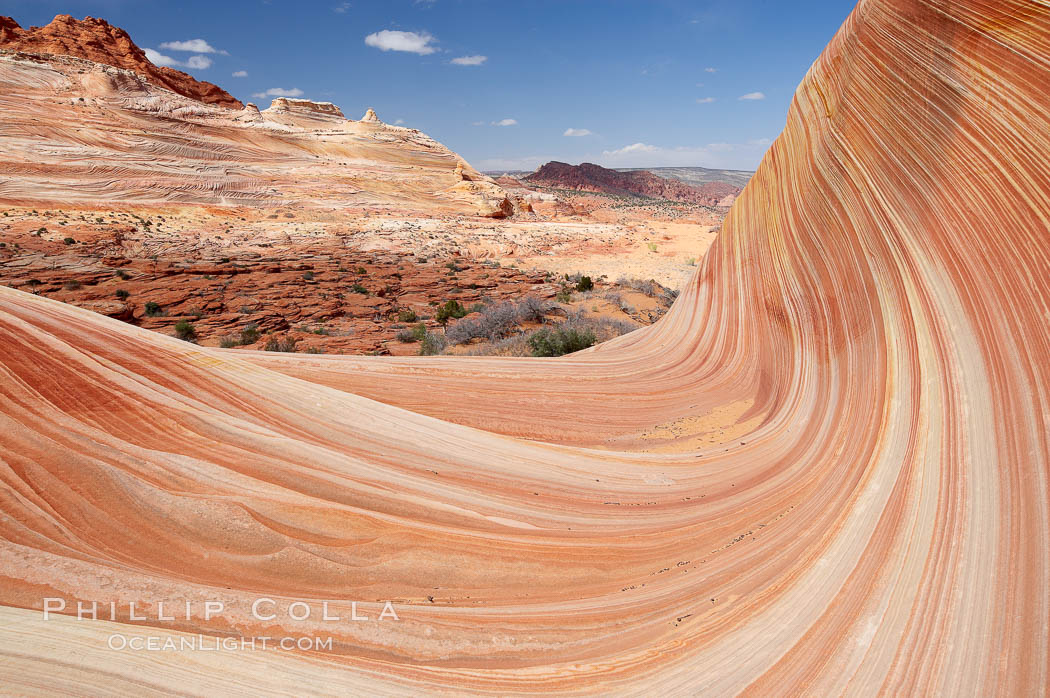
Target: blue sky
(623, 84)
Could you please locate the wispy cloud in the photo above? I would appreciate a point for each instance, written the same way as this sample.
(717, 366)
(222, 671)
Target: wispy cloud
(752, 97)
(719, 155)
(505, 122)
(710, 70)
(191, 46)
(399, 122)
(577, 132)
(409, 42)
(477, 123)
(280, 92)
(705, 100)
(469, 60)
(240, 74)
(341, 8)
(530, 162)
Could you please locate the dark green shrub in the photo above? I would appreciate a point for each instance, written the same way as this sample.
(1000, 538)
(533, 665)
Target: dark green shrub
(153, 309)
(451, 309)
(358, 288)
(584, 284)
(122, 294)
(560, 341)
(184, 329)
(69, 241)
(415, 334)
(407, 315)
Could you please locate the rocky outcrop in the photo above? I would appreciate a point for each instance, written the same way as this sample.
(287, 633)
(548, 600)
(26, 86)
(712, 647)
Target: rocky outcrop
(591, 177)
(371, 117)
(306, 107)
(97, 40)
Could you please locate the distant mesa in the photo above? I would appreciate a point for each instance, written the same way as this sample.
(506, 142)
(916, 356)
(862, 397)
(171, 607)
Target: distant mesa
(97, 40)
(595, 178)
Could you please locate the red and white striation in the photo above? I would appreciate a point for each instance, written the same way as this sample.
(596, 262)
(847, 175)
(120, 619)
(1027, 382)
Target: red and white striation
(824, 472)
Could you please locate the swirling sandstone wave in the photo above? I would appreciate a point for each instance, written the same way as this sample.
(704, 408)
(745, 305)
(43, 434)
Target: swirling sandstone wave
(825, 471)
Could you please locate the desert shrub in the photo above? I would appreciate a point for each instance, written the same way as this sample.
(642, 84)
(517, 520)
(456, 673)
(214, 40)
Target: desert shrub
(564, 296)
(122, 294)
(407, 315)
(228, 342)
(69, 241)
(415, 334)
(250, 334)
(153, 309)
(432, 344)
(122, 275)
(358, 288)
(651, 246)
(287, 344)
(497, 321)
(72, 285)
(560, 340)
(584, 284)
(308, 275)
(451, 309)
(184, 329)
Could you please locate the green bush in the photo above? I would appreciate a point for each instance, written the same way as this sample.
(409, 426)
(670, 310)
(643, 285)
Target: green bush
(560, 341)
(358, 288)
(122, 294)
(184, 329)
(416, 334)
(69, 241)
(153, 309)
(584, 284)
(451, 309)
(407, 315)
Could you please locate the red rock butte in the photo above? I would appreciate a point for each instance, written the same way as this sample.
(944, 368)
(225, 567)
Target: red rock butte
(832, 465)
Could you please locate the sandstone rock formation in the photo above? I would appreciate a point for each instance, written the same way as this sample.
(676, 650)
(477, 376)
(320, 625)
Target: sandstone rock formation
(823, 473)
(74, 131)
(370, 117)
(98, 41)
(591, 177)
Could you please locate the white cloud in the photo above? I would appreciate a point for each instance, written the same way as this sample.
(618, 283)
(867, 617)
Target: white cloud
(240, 74)
(505, 122)
(191, 46)
(477, 123)
(752, 96)
(410, 42)
(280, 92)
(469, 60)
(399, 122)
(633, 148)
(577, 132)
(158, 58)
(706, 100)
(710, 70)
(198, 62)
(715, 155)
(194, 62)
(341, 8)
